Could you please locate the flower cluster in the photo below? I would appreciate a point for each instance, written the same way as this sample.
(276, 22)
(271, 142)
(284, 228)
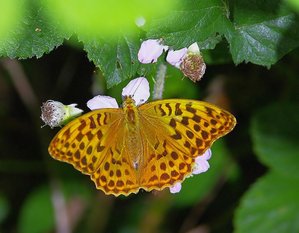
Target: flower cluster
(56, 114)
(188, 60)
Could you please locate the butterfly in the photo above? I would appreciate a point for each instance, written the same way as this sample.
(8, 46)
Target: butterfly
(151, 146)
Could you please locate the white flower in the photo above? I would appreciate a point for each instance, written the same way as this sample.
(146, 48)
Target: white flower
(150, 50)
(54, 113)
(137, 88)
(201, 165)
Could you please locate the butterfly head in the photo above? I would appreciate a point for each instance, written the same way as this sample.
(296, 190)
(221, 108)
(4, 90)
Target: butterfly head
(128, 102)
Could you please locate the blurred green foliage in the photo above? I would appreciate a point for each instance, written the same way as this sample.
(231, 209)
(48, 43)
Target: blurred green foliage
(4, 208)
(271, 205)
(260, 32)
(274, 133)
(104, 18)
(11, 13)
(272, 202)
(37, 213)
(294, 4)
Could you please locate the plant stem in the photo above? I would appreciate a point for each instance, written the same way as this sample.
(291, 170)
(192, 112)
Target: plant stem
(159, 82)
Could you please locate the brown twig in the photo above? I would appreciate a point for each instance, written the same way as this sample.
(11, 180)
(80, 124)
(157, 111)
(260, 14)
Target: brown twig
(20, 81)
(59, 204)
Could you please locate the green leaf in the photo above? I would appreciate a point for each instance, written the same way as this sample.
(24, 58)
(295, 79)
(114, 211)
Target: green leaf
(37, 213)
(271, 205)
(193, 21)
(117, 59)
(274, 132)
(198, 186)
(264, 31)
(33, 35)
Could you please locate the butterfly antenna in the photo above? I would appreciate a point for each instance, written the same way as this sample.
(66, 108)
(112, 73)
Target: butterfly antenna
(135, 87)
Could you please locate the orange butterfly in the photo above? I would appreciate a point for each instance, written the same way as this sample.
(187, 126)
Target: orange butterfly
(150, 147)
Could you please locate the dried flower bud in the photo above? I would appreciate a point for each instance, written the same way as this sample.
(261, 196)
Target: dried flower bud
(189, 61)
(55, 114)
(193, 67)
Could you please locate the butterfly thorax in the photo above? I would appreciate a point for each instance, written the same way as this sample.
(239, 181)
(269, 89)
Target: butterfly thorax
(131, 111)
(133, 142)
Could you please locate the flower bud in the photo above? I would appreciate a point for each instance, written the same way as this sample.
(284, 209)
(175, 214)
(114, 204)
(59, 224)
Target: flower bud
(54, 113)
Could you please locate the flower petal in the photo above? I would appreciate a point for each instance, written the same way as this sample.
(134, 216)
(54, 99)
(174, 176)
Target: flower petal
(138, 88)
(101, 101)
(150, 50)
(72, 111)
(200, 167)
(201, 163)
(175, 57)
(194, 48)
(176, 187)
(207, 155)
